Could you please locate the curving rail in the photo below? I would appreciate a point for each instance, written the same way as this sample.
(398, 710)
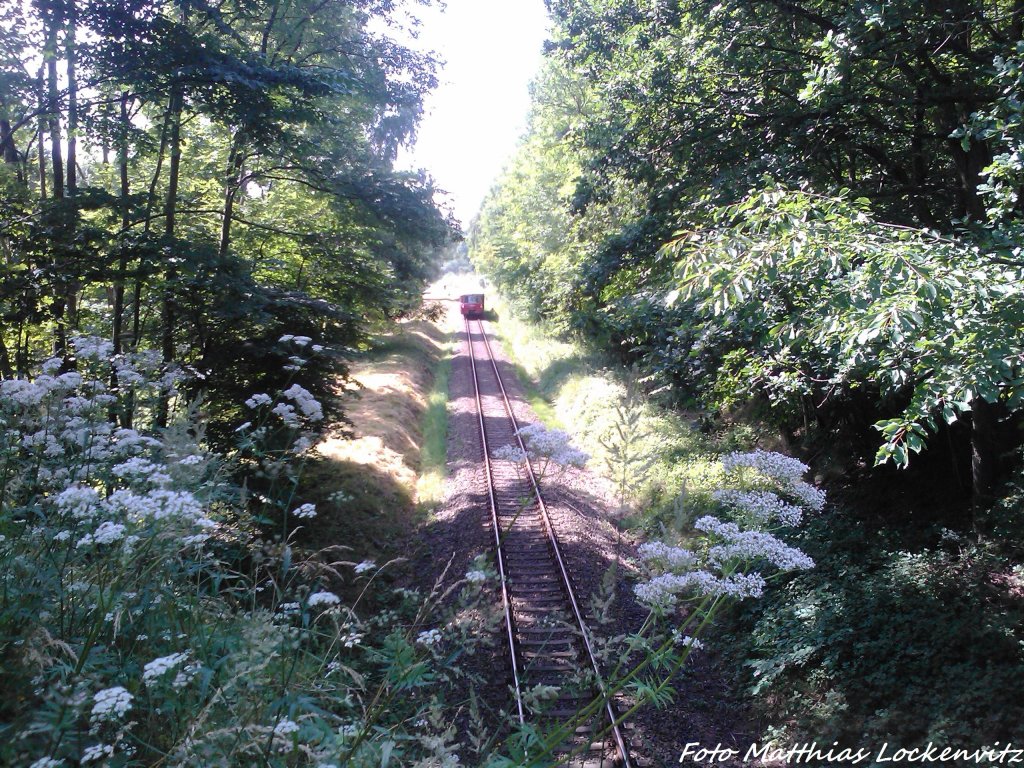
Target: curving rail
(547, 635)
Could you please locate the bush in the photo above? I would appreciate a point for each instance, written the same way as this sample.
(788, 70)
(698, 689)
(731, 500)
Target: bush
(879, 643)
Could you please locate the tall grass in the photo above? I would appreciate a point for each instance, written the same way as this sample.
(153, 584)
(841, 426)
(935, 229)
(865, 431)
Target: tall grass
(576, 389)
(434, 448)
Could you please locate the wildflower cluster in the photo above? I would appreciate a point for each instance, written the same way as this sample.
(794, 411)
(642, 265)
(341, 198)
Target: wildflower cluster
(784, 472)
(551, 444)
(295, 408)
(323, 599)
(158, 668)
(661, 591)
(546, 448)
(730, 553)
(111, 703)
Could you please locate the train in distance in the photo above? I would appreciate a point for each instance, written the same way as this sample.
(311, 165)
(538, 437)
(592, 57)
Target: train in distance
(471, 305)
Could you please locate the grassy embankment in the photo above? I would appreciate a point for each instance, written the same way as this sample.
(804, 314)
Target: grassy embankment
(386, 471)
(664, 466)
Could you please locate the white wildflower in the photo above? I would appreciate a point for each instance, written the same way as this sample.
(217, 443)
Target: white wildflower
(510, 452)
(128, 441)
(52, 365)
(351, 639)
(259, 399)
(763, 507)
(811, 497)
(185, 675)
(107, 533)
(46, 762)
(784, 470)
(141, 470)
(685, 640)
(551, 444)
(22, 393)
(157, 504)
(750, 545)
(286, 413)
(92, 348)
(305, 402)
(191, 460)
(303, 443)
(662, 591)
(97, 752)
(80, 501)
(326, 599)
(366, 565)
(571, 457)
(777, 466)
(668, 557)
(111, 703)
(476, 576)
(429, 637)
(70, 380)
(286, 728)
(305, 512)
(157, 668)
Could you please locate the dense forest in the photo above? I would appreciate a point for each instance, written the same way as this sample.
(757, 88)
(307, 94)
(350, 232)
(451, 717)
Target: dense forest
(806, 215)
(196, 180)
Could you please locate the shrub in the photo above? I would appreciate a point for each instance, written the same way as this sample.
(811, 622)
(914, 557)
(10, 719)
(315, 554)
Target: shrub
(880, 643)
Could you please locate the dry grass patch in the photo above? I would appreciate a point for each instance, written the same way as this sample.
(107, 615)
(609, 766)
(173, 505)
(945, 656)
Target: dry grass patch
(364, 480)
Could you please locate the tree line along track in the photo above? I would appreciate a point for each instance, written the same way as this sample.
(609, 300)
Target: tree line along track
(545, 630)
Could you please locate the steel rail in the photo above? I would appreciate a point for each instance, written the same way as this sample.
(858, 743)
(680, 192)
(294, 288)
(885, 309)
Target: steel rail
(616, 733)
(500, 557)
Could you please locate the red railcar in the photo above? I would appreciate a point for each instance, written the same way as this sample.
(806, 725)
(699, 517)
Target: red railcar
(471, 305)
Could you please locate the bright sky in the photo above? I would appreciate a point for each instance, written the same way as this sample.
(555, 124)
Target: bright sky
(492, 50)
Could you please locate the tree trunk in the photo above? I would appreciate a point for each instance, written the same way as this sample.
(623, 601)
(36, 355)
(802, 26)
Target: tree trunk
(6, 372)
(72, 54)
(42, 135)
(53, 104)
(158, 169)
(984, 454)
(59, 305)
(233, 175)
(168, 310)
(117, 331)
(21, 352)
(10, 151)
(984, 451)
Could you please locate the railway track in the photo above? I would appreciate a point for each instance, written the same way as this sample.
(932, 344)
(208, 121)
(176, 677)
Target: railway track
(544, 626)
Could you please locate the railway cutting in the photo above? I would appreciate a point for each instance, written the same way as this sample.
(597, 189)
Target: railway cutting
(555, 677)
